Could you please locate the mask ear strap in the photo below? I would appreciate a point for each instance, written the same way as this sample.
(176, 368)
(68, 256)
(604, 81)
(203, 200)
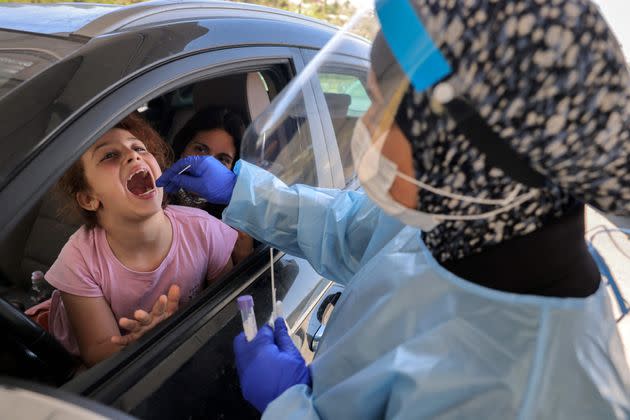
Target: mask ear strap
(497, 151)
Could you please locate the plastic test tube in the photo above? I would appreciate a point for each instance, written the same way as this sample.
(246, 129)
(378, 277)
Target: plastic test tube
(246, 306)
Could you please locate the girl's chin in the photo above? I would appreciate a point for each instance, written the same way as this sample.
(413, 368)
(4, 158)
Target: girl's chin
(147, 204)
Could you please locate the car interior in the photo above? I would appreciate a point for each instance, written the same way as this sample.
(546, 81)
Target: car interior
(28, 351)
(33, 245)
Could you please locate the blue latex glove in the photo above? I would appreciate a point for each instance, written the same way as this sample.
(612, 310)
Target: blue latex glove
(269, 364)
(206, 176)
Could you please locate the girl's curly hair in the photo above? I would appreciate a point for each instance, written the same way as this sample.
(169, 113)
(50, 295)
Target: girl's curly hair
(73, 180)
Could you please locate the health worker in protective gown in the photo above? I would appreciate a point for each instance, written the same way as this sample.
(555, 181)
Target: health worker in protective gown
(469, 290)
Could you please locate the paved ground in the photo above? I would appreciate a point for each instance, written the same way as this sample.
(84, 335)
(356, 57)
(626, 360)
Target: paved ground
(618, 263)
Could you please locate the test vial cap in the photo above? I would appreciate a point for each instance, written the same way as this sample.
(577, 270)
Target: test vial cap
(245, 302)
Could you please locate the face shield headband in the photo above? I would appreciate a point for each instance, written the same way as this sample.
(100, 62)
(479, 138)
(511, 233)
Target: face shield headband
(407, 55)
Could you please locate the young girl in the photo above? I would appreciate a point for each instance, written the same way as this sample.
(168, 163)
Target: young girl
(132, 250)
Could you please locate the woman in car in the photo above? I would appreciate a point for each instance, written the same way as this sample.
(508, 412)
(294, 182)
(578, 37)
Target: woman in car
(215, 132)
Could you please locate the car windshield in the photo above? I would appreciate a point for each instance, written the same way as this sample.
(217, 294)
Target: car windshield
(50, 18)
(18, 65)
(22, 56)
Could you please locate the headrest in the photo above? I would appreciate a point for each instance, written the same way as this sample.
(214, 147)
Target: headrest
(244, 93)
(338, 104)
(257, 96)
(227, 91)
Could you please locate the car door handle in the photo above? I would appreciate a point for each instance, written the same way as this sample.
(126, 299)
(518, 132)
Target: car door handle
(320, 331)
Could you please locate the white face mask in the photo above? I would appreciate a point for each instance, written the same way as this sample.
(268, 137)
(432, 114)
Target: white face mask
(377, 174)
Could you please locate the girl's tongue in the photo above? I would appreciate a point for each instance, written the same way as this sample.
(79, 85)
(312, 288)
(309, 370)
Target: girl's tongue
(140, 183)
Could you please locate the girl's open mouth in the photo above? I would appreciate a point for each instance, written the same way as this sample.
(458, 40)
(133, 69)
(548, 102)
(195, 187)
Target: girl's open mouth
(140, 183)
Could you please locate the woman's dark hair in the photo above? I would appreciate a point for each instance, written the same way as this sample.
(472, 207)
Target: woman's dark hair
(208, 119)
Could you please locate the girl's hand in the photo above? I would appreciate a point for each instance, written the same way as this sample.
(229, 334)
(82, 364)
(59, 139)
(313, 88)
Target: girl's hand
(164, 307)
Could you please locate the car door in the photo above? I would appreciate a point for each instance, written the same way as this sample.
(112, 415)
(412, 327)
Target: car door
(194, 346)
(342, 77)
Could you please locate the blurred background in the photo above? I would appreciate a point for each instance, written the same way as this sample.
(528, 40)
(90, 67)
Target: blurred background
(336, 12)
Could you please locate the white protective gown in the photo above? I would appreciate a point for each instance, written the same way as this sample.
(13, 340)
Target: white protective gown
(410, 340)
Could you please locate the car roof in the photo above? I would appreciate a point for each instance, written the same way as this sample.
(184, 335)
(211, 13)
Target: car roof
(57, 30)
(118, 45)
(52, 18)
(91, 20)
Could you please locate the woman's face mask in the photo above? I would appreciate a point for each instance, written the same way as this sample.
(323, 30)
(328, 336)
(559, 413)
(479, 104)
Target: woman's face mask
(377, 174)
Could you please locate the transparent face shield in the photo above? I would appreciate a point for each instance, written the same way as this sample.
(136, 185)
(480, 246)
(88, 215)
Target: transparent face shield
(363, 98)
(289, 138)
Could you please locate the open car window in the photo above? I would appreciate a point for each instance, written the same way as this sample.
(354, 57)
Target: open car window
(347, 99)
(208, 322)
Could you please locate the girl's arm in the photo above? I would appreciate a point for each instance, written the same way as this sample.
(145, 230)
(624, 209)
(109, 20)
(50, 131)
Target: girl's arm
(228, 266)
(222, 242)
(93, 324)
(243, 248)
(96, 330)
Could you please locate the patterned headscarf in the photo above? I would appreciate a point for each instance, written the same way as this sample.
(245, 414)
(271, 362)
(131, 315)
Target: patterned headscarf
(550, 79)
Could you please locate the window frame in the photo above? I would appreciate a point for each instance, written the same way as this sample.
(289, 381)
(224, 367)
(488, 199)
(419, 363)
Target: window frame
(111, 379)
(39, 174)
(359, 65)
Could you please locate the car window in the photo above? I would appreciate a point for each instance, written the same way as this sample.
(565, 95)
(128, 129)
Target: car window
(346, 84)
(34, 241)
(52, 19)
(346, 99)
(18, 66)
(22, 57)
(289, 150)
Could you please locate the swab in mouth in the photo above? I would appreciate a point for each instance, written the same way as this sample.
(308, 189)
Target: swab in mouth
(140, 183)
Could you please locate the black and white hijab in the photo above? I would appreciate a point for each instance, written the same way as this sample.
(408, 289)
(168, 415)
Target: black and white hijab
(549, 77)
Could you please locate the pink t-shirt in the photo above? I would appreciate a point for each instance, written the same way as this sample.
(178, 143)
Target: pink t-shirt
(87, 266)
